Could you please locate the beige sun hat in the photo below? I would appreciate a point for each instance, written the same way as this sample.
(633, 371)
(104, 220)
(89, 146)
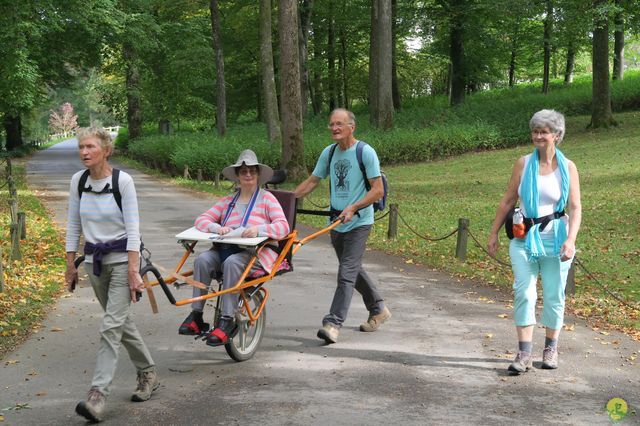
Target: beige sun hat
(249, 158)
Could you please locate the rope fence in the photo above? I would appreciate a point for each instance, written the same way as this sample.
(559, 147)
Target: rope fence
(463, 230)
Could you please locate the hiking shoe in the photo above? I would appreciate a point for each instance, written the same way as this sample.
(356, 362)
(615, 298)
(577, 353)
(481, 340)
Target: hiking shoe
(550, 358)
(522, 362)
(329, 333)
(375, 321)
(147, 383)
(193, 325)
(93, 408)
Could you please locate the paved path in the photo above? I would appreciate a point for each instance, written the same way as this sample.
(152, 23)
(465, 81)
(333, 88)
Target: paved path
(440, 359)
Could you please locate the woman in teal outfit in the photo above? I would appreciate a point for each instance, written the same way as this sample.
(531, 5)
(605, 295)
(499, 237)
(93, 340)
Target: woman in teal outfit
(547, 185)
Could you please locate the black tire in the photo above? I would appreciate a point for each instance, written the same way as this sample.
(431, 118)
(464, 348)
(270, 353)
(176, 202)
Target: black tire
(246, 342)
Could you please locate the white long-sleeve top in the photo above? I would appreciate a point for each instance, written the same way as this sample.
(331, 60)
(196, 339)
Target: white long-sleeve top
(99, 219)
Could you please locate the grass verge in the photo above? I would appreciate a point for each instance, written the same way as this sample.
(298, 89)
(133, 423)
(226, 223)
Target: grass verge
(31, 284)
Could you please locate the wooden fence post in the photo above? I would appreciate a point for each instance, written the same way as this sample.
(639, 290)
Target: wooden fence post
(186, 174)
(199, 176)
(22, 225)
(570, 288)
(1, 273)
(392, 231)
(217, 180)
(461, 243)
(15, 242)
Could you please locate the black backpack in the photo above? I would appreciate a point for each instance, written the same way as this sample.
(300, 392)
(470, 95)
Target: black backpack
(115, 178)
(380, 204)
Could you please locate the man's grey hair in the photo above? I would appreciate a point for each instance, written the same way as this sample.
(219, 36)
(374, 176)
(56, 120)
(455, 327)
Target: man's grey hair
(352, 117)
(106, 142)
(549, 118)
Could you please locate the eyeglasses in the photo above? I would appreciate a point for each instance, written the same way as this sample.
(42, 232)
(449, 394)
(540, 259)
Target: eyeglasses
(543, 132)
(338, 125)
(247, 170)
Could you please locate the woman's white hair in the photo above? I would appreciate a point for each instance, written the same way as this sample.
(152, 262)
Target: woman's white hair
(106, 142)
(549, 118)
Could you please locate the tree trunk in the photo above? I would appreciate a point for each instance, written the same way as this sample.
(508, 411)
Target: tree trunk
(373, 63)
(331, 57)
(306, 8)
(618, 47)
(164, 126)
(221, 98)
(13, 131)
(548, 29)
(384, 113)
(292, 144)
(272, 116)
(571, 61)
(395, 88)
(344, 84)
(132, 84)
(514, 53)
(601, 115)
(456, 54)
(315, 88)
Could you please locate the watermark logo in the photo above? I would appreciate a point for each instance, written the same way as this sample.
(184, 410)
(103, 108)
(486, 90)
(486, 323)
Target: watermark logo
(617, 409)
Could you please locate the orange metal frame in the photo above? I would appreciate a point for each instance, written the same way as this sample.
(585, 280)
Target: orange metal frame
(291, 244)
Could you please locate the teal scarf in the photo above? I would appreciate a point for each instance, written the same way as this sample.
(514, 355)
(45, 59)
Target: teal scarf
(529, 199)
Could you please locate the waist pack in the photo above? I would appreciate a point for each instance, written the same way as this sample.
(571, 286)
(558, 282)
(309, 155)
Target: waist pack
(528, 222)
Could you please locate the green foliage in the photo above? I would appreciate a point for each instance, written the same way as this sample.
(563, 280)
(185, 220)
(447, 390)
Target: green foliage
(122, 139)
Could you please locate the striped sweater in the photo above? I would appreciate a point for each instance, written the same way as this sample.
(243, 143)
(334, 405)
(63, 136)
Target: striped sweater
(267, 214)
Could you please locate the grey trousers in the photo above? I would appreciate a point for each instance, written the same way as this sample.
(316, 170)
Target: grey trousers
(112, 290)
(208, 266)
(350, 247)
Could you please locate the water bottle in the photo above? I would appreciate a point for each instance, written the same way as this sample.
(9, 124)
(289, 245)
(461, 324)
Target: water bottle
(519, 229)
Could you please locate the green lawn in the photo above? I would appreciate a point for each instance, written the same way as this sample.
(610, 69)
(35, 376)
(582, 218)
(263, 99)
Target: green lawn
(432, 196)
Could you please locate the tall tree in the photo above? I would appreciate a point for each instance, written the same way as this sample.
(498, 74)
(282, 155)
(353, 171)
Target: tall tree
(291, 111)
(601, 115)
(548, 33)
(270, 96)
(306, 8)
(383, 111)
(395, 88)
(331, 56)
(456, 52)
(221, 98)
(132, 83)
(34, 47)
(618, 46)
(374, 48)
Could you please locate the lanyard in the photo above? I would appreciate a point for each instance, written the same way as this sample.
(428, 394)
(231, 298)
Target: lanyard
(247, 212)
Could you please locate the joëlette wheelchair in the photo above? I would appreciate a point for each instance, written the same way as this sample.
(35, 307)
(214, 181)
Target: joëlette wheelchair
(251, 312)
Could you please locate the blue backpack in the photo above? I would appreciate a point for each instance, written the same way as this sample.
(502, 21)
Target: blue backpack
(380, 204)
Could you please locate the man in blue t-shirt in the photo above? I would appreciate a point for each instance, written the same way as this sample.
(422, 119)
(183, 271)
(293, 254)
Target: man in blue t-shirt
(351, 202)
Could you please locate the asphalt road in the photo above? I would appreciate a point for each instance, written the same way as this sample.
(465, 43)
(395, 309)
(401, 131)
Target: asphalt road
(441, 358)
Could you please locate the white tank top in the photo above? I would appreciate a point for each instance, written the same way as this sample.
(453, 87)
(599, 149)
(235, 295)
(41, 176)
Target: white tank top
(549, 193)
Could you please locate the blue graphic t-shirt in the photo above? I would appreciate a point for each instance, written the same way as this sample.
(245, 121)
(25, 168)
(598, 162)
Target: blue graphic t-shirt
(347, 182)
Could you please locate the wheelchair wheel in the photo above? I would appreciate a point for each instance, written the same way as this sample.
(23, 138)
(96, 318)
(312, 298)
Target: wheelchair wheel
(246, 342)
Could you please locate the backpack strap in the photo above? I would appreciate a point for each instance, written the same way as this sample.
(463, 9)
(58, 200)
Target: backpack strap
(115, 181)
(331, 151)
(115, 190)
(82, 182)
(359, 147)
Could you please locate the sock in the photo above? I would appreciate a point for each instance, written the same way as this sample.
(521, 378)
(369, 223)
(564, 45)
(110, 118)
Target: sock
(550, 343)
(525, 346)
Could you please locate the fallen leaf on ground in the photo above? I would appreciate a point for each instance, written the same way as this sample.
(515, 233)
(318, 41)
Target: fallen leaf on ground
(488, 335)
(54, 329)
(11, 362)
(569, 327)
(503, 316)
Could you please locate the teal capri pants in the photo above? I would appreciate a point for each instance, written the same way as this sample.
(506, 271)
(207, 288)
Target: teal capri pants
(554, 280)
